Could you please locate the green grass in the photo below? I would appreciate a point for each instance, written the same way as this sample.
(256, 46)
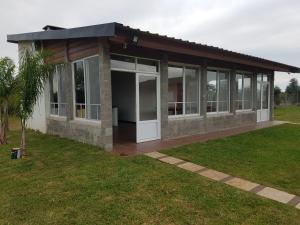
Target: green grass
(289, 113)
(65, 182)
(269, 156)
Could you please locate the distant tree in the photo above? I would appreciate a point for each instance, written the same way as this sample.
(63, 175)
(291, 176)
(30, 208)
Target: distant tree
(7, 93)
(277, 95)
(292, 91)
(33, 72)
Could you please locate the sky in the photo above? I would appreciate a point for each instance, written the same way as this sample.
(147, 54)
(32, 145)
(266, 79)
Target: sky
(265, 28)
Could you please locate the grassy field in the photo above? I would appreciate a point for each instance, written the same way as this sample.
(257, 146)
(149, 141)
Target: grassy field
(269, 156)
(65, 182)
(289, 113)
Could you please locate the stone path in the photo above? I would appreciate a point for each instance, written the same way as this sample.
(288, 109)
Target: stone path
(267, 192)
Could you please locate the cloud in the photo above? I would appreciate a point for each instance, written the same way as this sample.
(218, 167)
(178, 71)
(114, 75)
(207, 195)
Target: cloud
(268, 29)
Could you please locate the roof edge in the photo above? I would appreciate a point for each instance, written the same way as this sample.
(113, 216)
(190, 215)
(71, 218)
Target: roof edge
(101, 30)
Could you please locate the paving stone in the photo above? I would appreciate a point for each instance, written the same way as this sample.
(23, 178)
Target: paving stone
(295, 201)
(241, 184)
(191, 167)
(155, 155)
(213, 174)
(298, 206)
(276, 195)
(170, 160)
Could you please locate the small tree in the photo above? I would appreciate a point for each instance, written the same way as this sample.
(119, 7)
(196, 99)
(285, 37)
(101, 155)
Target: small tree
(292, 91)
(7, 91)
(277, 95)
(33, 73)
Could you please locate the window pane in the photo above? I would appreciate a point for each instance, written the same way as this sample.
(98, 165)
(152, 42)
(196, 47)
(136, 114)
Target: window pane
(265, 77)
(258, 96)
(122, 62)
(259, 77)
(265, 93)
(175, 90)
(147, 65)
(79, 89)
(191, 91)
(54, 94)
(223, 91)
(92, 80)
(211, 91)
(247, 92)
(148, 98)
(239, 90)
(62, 90)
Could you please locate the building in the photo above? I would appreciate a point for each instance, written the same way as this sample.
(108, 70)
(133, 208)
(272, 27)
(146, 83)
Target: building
(158, 87)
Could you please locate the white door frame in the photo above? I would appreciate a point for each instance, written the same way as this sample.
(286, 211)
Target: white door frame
(142, 124)
(263, 114)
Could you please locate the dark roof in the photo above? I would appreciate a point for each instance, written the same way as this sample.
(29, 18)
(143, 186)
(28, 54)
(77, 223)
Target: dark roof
(114, 29)
(101, 30)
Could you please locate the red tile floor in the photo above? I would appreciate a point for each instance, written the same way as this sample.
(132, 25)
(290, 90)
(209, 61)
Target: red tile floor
(124, 138)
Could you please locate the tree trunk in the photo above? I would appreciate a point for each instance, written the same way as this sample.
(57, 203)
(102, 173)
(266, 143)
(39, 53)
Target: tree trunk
(23, 137)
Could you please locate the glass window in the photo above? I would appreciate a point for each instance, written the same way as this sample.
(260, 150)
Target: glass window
(259, 77)
(175, 90)
(258, 95)
(122, 62)
(239, 90)
(58, 92)
(223, 101)
(183, 90)
(147, 98)
(87, 88)
(247, 92)
(212, 91)
(147, 65)
(265, 96)
(79, 89)
(191, 91)
(244, 92)
(93, 88)
(217, 91)
(265, 77)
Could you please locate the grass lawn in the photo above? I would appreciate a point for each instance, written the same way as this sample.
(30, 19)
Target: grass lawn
(269, 156)
(65, 182)
(289, 113)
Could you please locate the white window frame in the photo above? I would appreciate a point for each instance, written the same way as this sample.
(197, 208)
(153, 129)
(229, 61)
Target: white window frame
(85, 90)
(198, 72)
(243, 95)
(135, 70)
(218, 70)
(58, 95)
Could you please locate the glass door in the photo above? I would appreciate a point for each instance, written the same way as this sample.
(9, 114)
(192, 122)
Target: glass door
(147, 107)
(263, 98)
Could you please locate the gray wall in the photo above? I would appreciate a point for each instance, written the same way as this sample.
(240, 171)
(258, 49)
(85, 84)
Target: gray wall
(200, 125)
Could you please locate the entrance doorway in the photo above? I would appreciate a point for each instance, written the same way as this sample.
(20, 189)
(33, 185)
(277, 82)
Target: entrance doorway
(263, 98)
(124, 107)
(136, 107)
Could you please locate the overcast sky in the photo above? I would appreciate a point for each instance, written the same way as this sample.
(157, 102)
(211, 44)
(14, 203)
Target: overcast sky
(264, 28)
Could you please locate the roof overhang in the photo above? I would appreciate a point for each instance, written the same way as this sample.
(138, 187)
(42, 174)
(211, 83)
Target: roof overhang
(102, 30)
(119, 33)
